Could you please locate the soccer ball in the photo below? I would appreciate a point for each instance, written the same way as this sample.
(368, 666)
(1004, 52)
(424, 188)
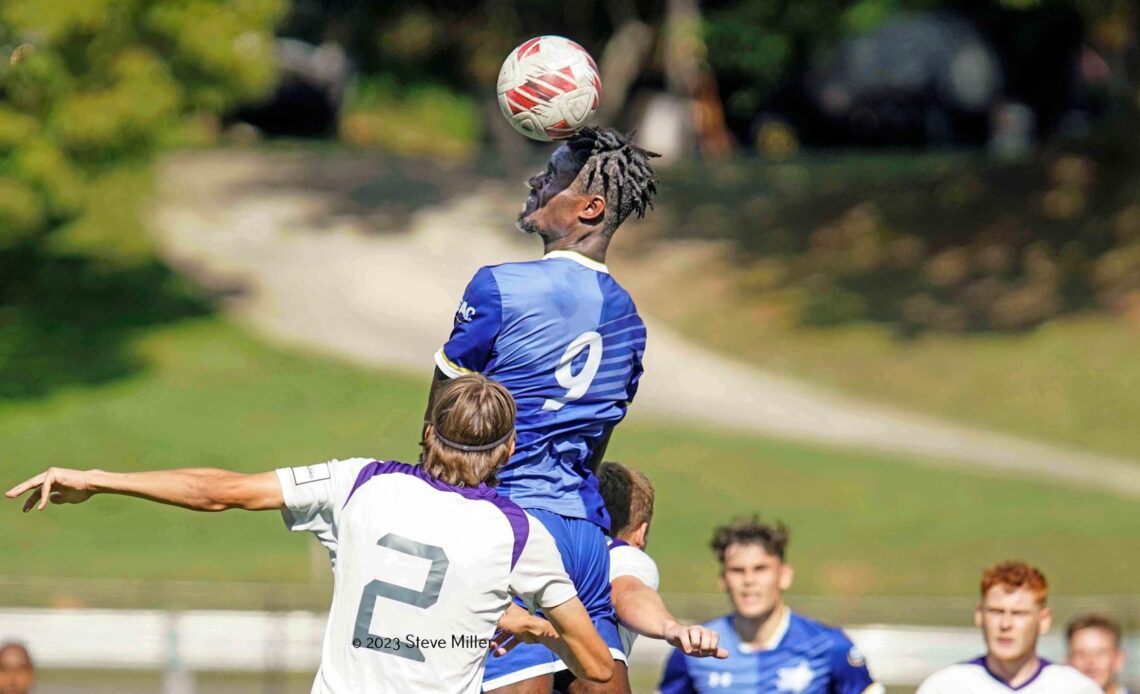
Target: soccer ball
(549, 88)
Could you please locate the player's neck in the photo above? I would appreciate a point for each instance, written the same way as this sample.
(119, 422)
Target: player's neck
(1014, 672)
(593, 246)
(757, 632)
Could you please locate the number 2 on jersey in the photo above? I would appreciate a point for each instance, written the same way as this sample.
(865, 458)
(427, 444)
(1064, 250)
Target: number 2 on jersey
(576, 384)
(423, 598)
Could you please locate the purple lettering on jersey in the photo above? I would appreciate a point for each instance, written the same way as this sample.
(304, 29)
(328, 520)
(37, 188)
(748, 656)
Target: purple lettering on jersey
(520, 526)
(1041, 665)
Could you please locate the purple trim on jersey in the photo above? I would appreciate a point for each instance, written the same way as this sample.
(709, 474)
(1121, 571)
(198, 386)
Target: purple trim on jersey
(520, 526)
(1041, 665)
(614, 544)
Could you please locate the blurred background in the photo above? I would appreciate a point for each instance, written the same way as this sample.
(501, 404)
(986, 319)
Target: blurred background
(892, 278)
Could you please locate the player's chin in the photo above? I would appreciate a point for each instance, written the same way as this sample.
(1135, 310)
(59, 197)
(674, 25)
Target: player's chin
(526, 224)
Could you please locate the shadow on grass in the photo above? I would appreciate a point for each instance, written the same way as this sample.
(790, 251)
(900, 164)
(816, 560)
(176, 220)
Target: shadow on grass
(68, 319)
(942, 242)
(382, 190)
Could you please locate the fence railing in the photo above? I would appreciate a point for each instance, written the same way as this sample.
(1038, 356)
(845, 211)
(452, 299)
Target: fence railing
(180, 627)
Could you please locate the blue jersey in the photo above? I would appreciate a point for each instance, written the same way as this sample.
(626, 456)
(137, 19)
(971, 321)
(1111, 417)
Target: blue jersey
(567, 342)
(806, 658)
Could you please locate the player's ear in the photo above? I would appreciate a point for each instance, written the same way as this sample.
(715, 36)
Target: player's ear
(637, 537)
(978, 616)
(593, 210)
(1046, 621)
(787, 575)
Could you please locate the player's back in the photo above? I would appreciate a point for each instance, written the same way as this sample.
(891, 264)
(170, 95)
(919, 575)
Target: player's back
(974, 677)
(422, 572)
(566, 339)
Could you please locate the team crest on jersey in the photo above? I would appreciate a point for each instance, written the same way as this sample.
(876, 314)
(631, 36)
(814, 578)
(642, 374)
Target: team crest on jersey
(720, 679)
(794, 679)
(465, 312)
(855, 657)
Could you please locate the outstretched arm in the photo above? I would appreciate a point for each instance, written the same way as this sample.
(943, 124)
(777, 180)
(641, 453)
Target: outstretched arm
(641, 609)
(198, 489)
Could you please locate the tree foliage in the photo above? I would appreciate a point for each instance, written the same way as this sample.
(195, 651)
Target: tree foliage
(87, 83)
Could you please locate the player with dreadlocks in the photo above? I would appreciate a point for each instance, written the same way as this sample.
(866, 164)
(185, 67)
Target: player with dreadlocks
(567, 341)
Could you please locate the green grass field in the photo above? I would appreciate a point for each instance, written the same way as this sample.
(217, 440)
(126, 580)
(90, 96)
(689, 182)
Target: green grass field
(1074, 381)
(209, 395)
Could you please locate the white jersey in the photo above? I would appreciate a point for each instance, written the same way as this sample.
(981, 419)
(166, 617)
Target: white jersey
(627, 560)
(422, 572)
(975, 678)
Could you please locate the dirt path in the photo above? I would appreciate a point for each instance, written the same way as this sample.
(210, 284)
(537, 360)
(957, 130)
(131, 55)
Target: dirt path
(329, 258)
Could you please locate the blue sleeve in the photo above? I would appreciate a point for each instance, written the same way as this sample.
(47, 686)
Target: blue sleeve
(849, 674)
(635, 376)
(676, 679)
(477, 323)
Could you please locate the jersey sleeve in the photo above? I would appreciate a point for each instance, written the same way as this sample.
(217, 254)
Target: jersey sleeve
(635, 375)
(676, 679)
(477, 324)
(631, 561)
(314, 495)
(539, 577)
(849, 673)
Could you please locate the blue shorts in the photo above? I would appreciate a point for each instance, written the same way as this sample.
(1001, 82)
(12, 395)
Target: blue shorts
(586, 557)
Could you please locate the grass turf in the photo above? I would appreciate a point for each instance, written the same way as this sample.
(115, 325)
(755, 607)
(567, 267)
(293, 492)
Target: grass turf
(209, 395)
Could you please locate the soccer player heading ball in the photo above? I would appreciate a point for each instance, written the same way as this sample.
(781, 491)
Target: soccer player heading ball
(567, 341)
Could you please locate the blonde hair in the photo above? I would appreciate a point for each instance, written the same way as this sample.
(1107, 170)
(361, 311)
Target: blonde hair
(470, 432)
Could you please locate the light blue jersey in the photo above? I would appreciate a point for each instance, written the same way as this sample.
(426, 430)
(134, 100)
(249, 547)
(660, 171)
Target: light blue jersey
(805, 657)
(567, 341)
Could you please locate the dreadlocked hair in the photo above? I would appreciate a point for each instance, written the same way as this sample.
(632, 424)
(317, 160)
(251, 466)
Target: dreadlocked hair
(616, 169)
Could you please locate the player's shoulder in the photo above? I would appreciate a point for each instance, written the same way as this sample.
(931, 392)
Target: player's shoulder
(1065, 678)
(951, 676)
(721, 625)
(806, 627)
(510, 279)
(627, 560)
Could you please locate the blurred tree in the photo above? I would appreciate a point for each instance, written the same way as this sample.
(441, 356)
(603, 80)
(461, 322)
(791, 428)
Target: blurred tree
(89, 83)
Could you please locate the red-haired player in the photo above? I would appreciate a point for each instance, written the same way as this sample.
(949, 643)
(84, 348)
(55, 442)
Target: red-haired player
(1012, 614)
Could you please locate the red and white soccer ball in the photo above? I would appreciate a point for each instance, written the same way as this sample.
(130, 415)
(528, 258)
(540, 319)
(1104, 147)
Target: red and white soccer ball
(549, 88)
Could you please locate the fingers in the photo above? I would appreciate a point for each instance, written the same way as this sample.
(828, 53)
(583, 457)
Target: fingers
(45, 490)
(32, 499)
(503, 643)
(707, 645)
(686, 641)
(701, 643)
(25, 486)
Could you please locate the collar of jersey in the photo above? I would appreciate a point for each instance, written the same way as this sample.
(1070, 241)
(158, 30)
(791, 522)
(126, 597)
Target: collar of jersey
(777, 637)
(578, 258)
